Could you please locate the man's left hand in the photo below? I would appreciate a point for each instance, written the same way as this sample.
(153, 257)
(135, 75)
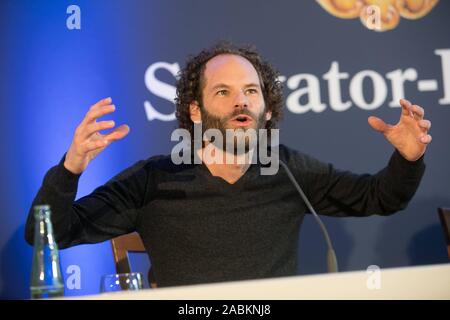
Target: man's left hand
(410, 135)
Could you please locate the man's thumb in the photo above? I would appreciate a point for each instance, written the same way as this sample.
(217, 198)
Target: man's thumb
(377, 124)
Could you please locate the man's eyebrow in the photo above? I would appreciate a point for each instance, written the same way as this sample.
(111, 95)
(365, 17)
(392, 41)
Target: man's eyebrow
(219, 85)
(223, 85)
(250, 85)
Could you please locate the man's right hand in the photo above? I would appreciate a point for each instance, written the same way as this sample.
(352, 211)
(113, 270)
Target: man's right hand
(87, 142)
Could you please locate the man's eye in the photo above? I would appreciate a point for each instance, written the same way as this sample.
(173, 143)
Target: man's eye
(252, 91)
(222, 92)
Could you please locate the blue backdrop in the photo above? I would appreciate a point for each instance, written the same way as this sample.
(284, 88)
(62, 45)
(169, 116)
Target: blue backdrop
(130, 50)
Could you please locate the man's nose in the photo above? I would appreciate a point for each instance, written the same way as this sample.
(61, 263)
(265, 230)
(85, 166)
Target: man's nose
(241, 100)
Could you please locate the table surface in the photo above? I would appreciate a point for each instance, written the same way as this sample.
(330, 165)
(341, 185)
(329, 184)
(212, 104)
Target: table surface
(418, 282)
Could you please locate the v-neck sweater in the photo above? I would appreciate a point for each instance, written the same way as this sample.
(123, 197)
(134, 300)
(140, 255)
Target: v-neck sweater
(198, 228)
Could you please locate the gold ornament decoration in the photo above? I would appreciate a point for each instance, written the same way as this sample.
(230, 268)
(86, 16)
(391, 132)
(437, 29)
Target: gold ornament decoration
(378, 15)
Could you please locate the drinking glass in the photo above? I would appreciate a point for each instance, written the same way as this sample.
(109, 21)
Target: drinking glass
(121, 282)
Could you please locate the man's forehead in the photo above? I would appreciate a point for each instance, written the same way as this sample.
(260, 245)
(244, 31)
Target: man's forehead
(229, 66)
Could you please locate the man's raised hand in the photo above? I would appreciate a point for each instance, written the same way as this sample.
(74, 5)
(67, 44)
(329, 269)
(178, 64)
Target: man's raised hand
(87, 141)
(410, 135)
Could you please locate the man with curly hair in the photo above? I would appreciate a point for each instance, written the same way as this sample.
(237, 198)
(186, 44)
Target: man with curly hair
(213, 222)
(250, 100)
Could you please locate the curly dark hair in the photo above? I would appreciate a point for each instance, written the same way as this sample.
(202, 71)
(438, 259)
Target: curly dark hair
(191, 82)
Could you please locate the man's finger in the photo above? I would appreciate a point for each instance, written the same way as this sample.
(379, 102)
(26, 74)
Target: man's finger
(425, 124)
(378, 124)
(94, 114)
(425, 139)
(96, 127)
(418, 111)
(406, 107)
(117, 133)
(94, 145)
(100, 103)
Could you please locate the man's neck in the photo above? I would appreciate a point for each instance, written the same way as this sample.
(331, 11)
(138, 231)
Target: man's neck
(230, 171)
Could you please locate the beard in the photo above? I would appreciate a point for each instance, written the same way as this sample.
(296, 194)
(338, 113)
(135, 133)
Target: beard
(210, 121)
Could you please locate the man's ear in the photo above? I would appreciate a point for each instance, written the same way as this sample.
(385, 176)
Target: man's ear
(194, 111)
(268, 115)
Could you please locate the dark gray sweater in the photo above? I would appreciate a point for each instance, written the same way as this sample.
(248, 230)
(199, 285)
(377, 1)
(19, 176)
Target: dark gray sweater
(198, 228)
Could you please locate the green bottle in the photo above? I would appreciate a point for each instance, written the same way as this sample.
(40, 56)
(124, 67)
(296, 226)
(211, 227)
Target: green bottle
(46, 278)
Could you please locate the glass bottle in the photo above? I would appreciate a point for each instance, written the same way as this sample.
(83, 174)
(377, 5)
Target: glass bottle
(46, 278)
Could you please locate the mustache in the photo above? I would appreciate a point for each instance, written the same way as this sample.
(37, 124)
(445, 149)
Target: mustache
(237, 112)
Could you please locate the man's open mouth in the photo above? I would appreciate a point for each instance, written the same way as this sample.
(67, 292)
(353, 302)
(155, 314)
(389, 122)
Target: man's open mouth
(242, 120)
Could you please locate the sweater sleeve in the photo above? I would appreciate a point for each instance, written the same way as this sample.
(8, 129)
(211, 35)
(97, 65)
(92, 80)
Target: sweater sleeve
(340, 193)
(109, 211)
